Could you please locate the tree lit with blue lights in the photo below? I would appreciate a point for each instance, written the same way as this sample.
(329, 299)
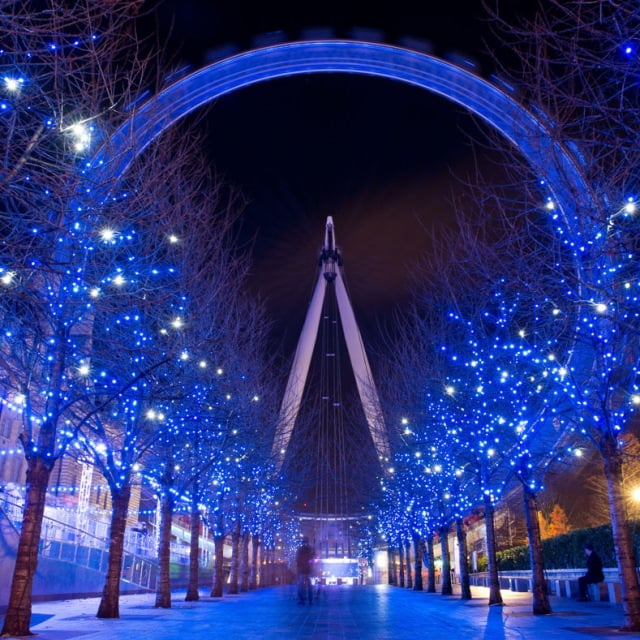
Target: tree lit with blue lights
(580, 71)
(113, 304)
(572, 239)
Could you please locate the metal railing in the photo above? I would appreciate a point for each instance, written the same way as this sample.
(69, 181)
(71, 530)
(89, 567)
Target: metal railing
(62, 540)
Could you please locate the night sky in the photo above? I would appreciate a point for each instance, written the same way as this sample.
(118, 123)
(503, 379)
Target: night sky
(379, 156)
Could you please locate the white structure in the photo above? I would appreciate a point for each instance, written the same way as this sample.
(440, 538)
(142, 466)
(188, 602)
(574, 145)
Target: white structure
(330, 274)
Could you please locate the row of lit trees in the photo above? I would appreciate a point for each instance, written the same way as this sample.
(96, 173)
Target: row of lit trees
(492, 390)
(61, 88)
(476, 410)
(525, 336)
(124, 327)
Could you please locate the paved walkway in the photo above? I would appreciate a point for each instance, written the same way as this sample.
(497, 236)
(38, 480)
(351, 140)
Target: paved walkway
(340, 613)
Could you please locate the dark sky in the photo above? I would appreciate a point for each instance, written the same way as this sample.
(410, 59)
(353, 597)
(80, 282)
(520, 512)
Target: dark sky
(378, 156)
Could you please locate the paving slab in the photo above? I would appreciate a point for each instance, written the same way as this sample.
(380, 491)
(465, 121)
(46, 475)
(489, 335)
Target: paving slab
(379, 612)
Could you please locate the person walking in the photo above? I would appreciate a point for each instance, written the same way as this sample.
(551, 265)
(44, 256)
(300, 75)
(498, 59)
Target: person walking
(304, 561)
(594, 573)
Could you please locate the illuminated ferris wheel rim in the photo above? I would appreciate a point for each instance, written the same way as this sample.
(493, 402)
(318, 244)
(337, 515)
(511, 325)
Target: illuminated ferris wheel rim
(493, 104)
(555, 165)
(552, 162)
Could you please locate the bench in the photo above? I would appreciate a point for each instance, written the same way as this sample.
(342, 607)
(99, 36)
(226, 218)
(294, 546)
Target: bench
(605, 591)
(560, 582)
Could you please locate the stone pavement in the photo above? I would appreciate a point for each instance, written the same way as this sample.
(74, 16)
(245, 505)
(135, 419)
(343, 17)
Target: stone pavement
(340, 612)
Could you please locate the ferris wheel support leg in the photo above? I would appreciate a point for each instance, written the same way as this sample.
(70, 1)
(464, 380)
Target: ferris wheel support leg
(298, 375)
(362, 371)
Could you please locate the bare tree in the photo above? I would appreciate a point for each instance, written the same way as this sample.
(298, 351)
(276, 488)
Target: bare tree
(479, 347)
(62, 66)
(575, 69)
(213, 423)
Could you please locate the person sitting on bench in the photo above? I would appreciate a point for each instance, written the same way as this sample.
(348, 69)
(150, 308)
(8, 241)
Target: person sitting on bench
(594, 573)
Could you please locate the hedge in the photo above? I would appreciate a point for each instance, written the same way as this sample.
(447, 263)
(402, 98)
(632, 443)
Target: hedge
(567, 550)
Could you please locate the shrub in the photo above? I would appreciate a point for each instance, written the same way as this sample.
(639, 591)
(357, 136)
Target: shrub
(567, 550)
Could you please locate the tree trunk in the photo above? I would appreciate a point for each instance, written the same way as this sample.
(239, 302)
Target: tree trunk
(40, 458)
(463, 561)
(622, 541)
(218, 569)
(194, 554)
(110, 603)
(447, 589)
(417, 573)
(541, 604)
(495, 597)
(163, 590)
(244, 578)
(267, 572)
(18, 616)
(235, 559)
(264, 567)
(407, 549)
(431, 565)
(391, 566)
(400, 564)
(255, 548)
(271, 564)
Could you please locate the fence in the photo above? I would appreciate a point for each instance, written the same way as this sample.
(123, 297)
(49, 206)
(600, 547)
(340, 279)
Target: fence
(88, 547)
(560, 582)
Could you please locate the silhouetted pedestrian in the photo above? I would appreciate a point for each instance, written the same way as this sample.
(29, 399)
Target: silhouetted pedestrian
(304, 560)
(594, 573)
